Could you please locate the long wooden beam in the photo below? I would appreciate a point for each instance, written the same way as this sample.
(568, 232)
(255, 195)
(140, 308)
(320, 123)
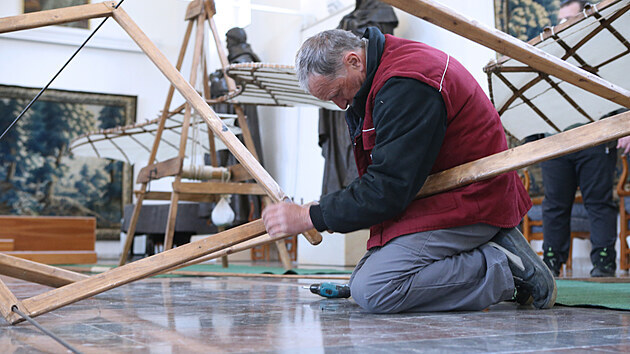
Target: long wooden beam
(143, 268)
(56, 16)
(503, 43)
(214, 122)
(218, 188)
(528, 154)
(37, 272)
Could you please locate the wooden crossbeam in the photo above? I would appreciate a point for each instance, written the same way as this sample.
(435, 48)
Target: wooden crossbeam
(37, 272)
(143, 268)
(503, 43)
(55, 16)
(528, 154)
(218, 188)
(170, 167)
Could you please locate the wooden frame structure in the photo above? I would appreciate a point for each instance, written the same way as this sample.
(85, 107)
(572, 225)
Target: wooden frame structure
(75, 288)
(197, 13)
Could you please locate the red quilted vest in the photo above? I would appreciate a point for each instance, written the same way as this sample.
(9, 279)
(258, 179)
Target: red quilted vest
(474, 130)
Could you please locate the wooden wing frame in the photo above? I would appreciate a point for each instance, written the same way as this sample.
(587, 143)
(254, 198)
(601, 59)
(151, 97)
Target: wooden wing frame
(596, 40)
(73, 287)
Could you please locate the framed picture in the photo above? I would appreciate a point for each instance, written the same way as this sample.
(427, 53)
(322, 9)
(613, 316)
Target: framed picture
(39, 176)
(40, 5)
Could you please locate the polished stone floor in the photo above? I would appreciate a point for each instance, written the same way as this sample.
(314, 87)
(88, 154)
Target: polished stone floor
(241, 315)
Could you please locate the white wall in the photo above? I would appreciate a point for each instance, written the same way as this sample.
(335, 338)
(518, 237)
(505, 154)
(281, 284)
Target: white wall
(111, 63)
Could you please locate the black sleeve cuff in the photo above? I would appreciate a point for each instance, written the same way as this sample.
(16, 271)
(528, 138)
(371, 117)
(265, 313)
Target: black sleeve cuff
(317, 217)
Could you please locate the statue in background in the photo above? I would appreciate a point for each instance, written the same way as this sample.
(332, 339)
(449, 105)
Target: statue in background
(239, 50)
(339, 168)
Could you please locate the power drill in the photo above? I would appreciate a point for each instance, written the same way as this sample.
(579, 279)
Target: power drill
(330, 290)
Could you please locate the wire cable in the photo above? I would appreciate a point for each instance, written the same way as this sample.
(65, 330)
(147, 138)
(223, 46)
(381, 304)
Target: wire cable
(15, 309)
(57, 74)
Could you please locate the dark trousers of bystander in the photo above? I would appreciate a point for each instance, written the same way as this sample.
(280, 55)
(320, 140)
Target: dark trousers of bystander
(593, 171)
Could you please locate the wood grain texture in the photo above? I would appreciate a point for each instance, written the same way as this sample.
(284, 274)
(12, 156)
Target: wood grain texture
(55, 16)
(49, 233)
(37, 272)
(170, 167)
(143, 268)
(537, 151)
(7, 301)
(218, 188)
(56, 257)
(503, 43)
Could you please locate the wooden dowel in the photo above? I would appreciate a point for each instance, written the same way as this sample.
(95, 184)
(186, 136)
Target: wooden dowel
(143, 268)
(528, 154)
(221, 130)
(55, 16)
(503, 43)
(36, 272)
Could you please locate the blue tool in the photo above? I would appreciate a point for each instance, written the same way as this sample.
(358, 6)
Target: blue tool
(330, 290)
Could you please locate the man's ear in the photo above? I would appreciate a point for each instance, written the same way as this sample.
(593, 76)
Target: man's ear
(353, 60)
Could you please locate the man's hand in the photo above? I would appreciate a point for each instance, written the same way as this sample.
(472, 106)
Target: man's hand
(286, 219)
(624, 145)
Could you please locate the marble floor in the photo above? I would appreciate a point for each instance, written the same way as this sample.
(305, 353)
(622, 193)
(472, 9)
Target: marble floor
(243, 315)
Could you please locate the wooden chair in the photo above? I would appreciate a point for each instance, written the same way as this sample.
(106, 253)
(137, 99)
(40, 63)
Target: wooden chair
(533, 223)
(623, 189)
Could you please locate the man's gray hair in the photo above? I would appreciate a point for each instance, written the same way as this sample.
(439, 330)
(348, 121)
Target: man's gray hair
(322, 54)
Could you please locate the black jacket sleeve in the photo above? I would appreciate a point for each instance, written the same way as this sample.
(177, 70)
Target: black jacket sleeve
(410, 123)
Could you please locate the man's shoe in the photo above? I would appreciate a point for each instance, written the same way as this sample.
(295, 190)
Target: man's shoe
(604, 264)
(530, 274)
(552, 261)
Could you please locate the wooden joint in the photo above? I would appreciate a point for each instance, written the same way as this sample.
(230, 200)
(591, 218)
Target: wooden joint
(159, 170)
(194, 9)
(238, 173)
(210, 8)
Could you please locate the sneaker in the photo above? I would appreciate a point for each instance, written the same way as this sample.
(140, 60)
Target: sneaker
(552, 261)
(604, 264)
(531, 275)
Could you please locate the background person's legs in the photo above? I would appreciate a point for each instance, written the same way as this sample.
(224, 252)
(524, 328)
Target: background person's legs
(595, 169)
(440, 270)
(560, 185)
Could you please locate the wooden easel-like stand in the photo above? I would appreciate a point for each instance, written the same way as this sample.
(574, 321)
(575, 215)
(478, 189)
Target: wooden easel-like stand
(73, 287)
(198, 13)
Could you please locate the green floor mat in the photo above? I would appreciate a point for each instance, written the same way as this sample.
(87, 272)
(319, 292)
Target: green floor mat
(593, 294)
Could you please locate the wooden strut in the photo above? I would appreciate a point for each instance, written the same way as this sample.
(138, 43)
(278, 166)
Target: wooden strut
(560, 144)
(195, 13)
(503, 43)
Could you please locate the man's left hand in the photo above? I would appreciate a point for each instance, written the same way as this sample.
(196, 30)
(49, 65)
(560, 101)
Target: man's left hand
(286, 219)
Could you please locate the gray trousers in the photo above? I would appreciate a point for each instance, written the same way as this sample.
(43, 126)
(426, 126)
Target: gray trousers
(439, 270)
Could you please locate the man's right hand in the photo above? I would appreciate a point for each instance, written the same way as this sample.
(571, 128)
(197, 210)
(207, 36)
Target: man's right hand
(286, 219)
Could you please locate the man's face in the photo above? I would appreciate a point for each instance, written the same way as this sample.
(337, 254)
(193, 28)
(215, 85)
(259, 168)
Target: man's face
(568, 11)
(342, 89)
